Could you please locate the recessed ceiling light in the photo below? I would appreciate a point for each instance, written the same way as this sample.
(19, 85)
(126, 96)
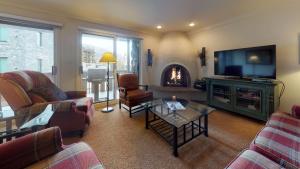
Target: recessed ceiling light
(192, 24)
(158, 27)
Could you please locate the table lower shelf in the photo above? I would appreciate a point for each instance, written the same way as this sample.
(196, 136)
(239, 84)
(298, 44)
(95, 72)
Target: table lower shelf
(177, 137)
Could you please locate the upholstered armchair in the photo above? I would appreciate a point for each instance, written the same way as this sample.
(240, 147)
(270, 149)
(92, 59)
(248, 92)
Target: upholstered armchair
(25, 88)
(130, 93)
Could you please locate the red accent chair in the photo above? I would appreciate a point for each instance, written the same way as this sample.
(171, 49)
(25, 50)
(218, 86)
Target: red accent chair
(130, 93)
(25, 88)
(45, 149)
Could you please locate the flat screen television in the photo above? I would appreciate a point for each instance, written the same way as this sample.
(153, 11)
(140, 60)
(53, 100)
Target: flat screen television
(254, 62)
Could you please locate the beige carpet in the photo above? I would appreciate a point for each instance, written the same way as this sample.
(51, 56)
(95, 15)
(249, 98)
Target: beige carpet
(121, 142)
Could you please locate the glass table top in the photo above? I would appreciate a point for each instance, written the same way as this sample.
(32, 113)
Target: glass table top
(191, 111)
(26, 118)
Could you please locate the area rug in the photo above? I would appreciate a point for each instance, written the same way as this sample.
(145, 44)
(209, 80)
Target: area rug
(121, 142)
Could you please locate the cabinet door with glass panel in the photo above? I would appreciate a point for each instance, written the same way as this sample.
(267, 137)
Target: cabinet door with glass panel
(221, 95)
(93, 74)
(249, 99)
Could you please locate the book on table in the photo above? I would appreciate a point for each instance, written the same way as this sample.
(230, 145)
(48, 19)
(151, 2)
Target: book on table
(175, 105)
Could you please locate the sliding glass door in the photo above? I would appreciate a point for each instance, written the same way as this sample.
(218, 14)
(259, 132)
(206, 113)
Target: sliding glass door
(93, 74)
(26, 48)
(128, 55)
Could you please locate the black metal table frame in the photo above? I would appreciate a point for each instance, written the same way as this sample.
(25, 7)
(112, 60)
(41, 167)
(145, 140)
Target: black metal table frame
(15, 133)
(203, 129)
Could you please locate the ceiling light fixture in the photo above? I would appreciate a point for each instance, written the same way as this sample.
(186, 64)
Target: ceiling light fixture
(158, 27)
(192, 24)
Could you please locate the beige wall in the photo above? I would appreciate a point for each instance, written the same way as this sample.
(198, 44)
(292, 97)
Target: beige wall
(68, 42)
(278, 25)
(173, 47)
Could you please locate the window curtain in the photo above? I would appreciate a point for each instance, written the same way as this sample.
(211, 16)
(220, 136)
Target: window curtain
(135, 56)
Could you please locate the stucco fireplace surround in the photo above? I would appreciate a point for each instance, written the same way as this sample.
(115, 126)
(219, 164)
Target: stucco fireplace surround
(175, 80)
(175, 75)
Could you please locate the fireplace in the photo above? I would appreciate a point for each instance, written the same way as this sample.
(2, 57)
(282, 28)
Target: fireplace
(175, 75)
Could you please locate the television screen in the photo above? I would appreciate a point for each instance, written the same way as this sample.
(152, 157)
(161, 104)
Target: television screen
(256, 62)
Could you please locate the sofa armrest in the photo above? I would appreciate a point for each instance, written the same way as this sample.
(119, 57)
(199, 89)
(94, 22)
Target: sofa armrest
(145, 87)
(75, 94)
(31, 148)
(65, 106)
(68, 111)
(296, 111)
(123, 90)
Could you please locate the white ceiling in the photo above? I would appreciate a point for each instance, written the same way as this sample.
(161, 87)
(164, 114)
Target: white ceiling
(174, 15)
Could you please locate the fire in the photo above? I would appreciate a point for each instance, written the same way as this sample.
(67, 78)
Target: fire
(175, 75)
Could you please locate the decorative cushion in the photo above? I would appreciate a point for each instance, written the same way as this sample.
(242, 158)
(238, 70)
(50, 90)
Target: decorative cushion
(36, 98)
(50, 93)
(28, 149)
(38, 79)
(14, 94)
(20, 78)
(278, 145)
(251, 159)
(285, 122)
(75, 94)
(296, 111)
(79, 155)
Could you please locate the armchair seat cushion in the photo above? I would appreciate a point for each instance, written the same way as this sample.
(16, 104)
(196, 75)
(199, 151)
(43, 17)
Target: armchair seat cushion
(285, 122)
(278, 145)
(138, 94)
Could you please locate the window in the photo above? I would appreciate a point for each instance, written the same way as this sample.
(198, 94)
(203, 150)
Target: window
(128, 55)
(3, 34)
(39, 65)
(39, 39)
(3, 64)
(20, 51)
(127, 51)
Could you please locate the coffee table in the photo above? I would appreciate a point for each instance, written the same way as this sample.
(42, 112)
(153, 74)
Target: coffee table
(180, 126)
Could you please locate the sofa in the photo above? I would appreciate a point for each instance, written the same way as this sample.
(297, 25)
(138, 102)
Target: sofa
(277, 145)
(25, 88)
(45, 149)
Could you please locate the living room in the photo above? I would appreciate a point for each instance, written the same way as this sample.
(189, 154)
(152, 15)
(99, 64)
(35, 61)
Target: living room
(175, 51)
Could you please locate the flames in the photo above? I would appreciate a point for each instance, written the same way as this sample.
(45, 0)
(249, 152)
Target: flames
(175, 75)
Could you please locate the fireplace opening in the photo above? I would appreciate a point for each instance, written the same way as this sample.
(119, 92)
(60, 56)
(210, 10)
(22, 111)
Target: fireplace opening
(175, 75)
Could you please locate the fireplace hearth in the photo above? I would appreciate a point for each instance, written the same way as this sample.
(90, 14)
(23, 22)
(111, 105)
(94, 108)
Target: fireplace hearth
(175, 75)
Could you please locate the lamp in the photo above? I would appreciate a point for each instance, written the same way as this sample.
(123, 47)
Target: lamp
(107, 57)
